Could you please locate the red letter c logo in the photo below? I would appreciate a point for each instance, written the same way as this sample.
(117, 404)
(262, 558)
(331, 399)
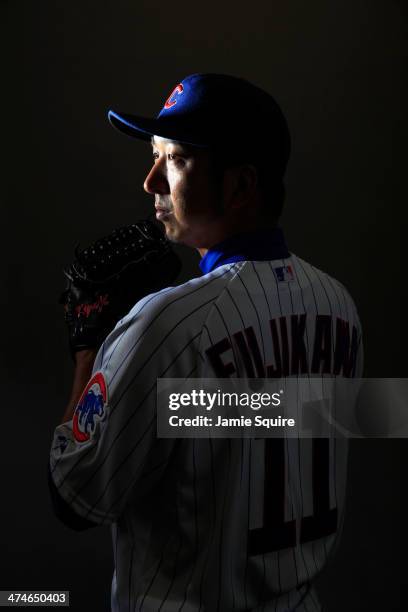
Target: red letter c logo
(177, 90)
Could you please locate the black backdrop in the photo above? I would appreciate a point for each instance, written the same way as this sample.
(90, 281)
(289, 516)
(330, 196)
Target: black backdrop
(338, 70)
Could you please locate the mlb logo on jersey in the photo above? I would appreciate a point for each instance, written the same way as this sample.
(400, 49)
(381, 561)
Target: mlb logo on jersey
(90, 409)
(284, 273)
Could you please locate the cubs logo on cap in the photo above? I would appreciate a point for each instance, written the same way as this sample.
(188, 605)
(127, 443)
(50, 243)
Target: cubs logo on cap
(90, 409)
(172, 99)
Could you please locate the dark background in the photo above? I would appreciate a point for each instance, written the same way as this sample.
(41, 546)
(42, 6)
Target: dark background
(338, 69)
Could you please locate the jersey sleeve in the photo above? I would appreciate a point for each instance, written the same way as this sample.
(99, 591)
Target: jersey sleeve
(109, 451)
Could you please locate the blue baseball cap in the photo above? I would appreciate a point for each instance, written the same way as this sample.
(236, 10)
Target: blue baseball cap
(208, 110)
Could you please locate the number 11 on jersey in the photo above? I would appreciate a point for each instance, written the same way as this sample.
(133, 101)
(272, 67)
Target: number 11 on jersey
(277, 532)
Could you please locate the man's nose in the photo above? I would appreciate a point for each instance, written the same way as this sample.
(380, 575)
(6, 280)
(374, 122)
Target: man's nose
(156, 181)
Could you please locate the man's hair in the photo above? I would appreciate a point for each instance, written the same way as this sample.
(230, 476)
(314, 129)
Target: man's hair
(270, 183)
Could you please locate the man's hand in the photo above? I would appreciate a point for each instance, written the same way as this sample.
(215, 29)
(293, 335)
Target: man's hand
(84, 361)
(107, 278)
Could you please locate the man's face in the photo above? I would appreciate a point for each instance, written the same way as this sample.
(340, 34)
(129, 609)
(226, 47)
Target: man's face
(188, 199)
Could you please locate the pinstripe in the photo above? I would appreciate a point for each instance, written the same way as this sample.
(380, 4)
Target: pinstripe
(256, 313)
(236, 307)
(173, 576)
(214, 519)
(314, 600)
(190, 374)
(130, 571)
(222, 530)
(279, 572)
(318, 275)
(116, 568)
(173, 579)
(196, 538)
(277, 288)
(333, 286)
(214, 501)
(230, 563)
(310, 283)
(205, 328)
(243, 327)
(329, 303)
(290, 290)
(292, 509)
(314, 556)
(296, 567)
(248, 519)
(262, 287)
(101, 354)
(287, 442)
(299, 441)
(301, 497)
(155, 573)
(242, 462)
(334, 290)
(345, 301)
(227, 330)
(261, 596)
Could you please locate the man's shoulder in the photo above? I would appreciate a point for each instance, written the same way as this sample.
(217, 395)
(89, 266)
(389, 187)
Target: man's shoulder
(313, 274)
(326, 289)
(189, 301)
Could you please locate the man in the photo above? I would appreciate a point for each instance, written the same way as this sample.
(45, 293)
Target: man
(213, 524)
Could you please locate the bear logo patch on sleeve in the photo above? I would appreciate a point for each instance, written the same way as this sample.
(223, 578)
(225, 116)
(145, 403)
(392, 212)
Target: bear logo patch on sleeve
(90, 408)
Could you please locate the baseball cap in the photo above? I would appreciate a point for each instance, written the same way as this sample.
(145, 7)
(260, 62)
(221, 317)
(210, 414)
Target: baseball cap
(206, 110)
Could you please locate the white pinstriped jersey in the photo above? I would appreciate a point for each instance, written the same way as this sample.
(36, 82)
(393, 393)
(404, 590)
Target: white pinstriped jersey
(207, 525)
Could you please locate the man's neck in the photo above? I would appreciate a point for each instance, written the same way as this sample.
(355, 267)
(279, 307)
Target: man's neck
(236, 232)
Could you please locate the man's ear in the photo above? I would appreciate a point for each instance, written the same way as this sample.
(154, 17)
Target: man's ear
(240, 185)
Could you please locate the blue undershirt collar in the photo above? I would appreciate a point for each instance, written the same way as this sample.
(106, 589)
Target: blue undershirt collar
(260, 245)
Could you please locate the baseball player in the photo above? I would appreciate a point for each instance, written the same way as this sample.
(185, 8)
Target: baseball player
(206, 524)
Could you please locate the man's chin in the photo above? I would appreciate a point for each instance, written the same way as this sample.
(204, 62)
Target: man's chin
(174, 238)
(171, 232)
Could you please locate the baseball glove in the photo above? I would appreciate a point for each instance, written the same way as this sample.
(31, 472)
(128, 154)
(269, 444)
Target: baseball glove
(107, 278)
